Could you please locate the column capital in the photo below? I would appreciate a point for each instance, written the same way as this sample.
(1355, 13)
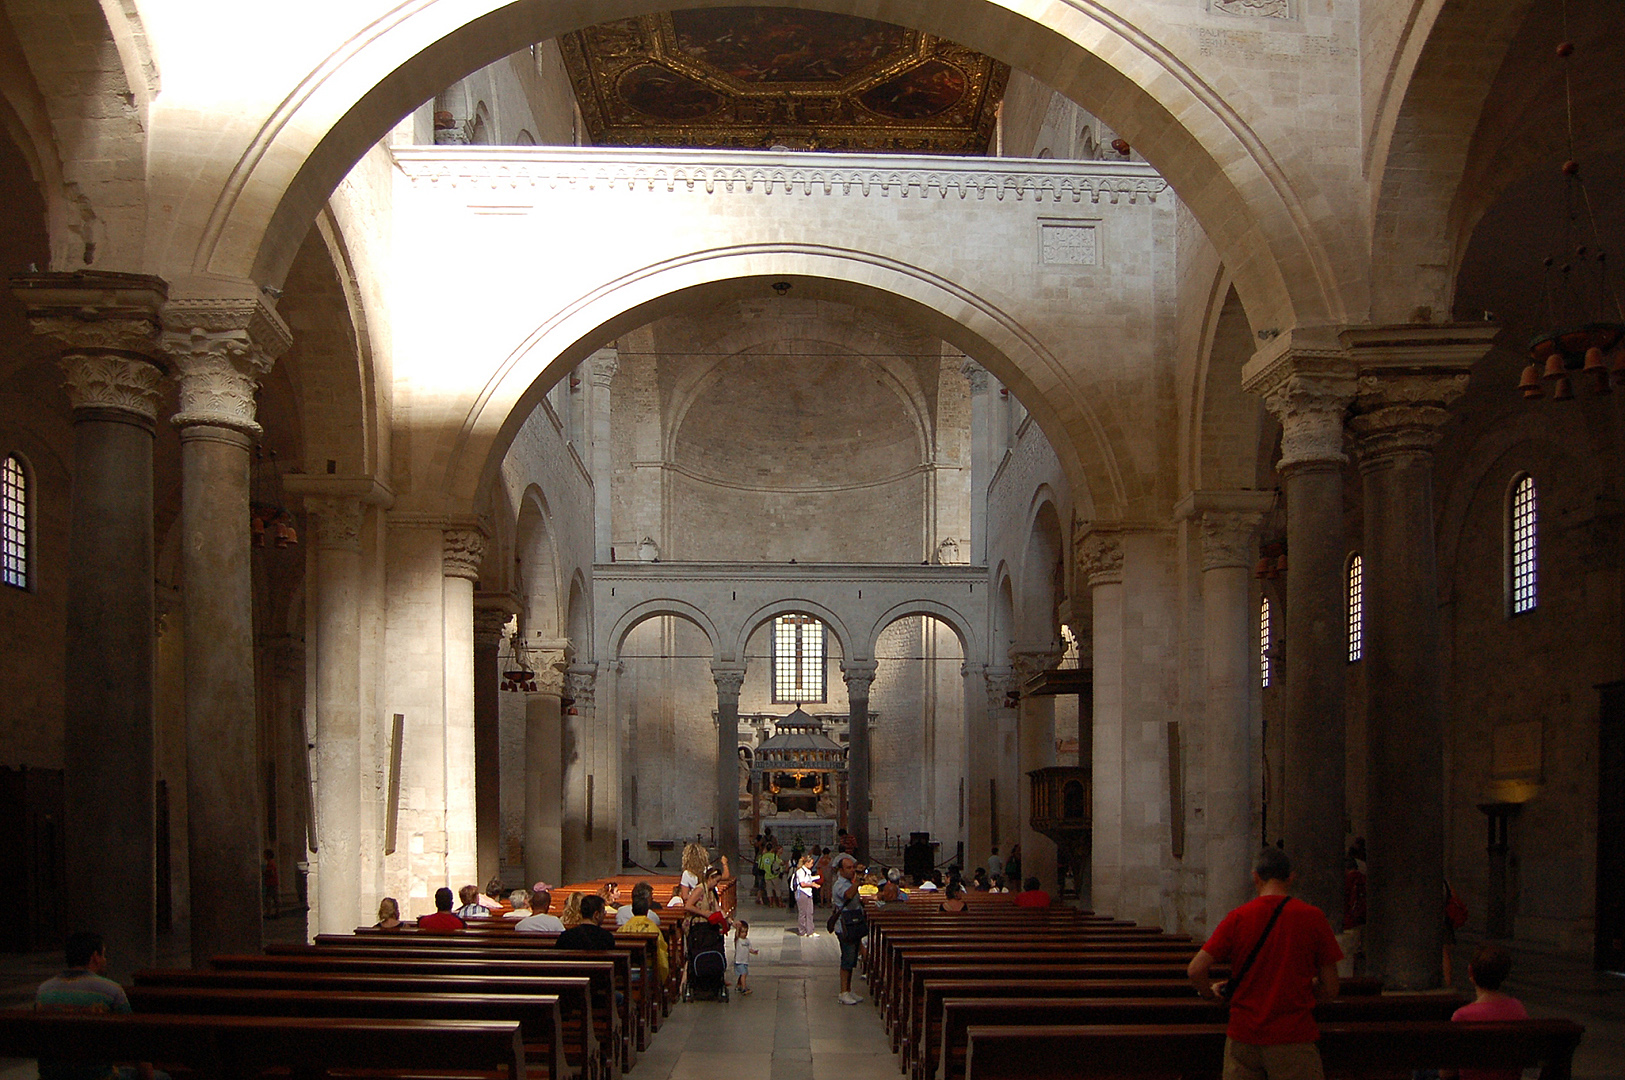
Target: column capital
(107, 325)
(1307, 380)
(490, 619)
(1229, 538)
(603, 365)
(579, 683)
(221, 338)
(730, 679)
(549, 665)
(859, 675)
(463, 552)
(1408, 377)
(335, 522)
(1027, 661)
(976, 375)
(1100, 557)
(1001, 686)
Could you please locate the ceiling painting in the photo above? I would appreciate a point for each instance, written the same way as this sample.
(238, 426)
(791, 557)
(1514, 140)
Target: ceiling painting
(755, 78)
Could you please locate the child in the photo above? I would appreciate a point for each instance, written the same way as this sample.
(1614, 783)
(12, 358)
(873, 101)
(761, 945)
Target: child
(742, 954)
(1488, 971)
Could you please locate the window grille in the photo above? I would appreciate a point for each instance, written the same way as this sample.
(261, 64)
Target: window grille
(1264, 643)
(798, 660)
(14, 523)
(1523, 545)
(1356, 608)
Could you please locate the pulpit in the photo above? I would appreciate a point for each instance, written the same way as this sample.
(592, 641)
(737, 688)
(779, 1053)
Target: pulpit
(1060, 810)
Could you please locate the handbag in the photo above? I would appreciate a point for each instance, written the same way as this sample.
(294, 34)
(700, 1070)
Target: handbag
(1234, 981)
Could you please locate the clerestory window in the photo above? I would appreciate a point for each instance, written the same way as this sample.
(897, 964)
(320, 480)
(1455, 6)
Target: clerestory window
(1356, 607)
(14, 522)
(1264, 671)
(1521, 546)
(799, 673)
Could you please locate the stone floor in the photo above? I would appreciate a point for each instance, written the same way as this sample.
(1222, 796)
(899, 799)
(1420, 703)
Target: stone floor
(791, 1027)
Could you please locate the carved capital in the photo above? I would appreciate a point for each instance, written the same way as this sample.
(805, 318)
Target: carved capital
(579, 682)
(1399, 414)
(976, 375)
(1310, 409)
(1001, 686)
(859, 675)
(489, 622)
(221, 344)
(1229, 538)
(1100, 558)
(604, 364)
(1025, 663)
(729, 679)
(335, 524)
(463, 551)
(114, 382)
(550, 665)
(94, 311)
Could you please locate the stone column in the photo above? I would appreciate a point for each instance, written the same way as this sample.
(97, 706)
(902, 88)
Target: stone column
(978, 765)
(1001, 787)
(491, 614)
(220, 347)
(464, 549)
(107, 325)
(580, 783)
(1307, 387)
(335, 528)
(1408, 378)
(603, 364)
(981, 471)
(729, 679)
(543, 772)
(1228, 523)
(1035, 740)
(859, 676)
(1100, 563)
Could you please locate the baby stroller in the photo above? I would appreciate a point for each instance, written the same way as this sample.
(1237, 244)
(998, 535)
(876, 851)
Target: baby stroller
(706, 972)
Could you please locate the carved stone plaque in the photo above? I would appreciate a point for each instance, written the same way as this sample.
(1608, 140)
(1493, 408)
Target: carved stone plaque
(1068, 243)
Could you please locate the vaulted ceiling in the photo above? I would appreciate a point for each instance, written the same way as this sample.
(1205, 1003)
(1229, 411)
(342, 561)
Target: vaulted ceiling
(755, 78)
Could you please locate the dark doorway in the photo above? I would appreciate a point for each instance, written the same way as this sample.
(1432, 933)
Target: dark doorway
(1610, 953)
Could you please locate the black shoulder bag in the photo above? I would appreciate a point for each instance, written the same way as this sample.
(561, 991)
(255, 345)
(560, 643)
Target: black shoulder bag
(1234, 981)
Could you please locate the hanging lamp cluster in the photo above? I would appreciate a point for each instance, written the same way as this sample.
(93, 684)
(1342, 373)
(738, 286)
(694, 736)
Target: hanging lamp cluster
(268, 519)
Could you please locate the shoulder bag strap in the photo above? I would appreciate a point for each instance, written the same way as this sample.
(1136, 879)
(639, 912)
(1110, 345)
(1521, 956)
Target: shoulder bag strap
(1246, 965)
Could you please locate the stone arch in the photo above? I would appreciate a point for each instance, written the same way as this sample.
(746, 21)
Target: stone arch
(578, 613)
(1219, 446)
(963, 627)
(1002, 623)
(651, 609)
(790, 606)
(974, 325)
(541, 589)
(244, 216)
(1042, 575)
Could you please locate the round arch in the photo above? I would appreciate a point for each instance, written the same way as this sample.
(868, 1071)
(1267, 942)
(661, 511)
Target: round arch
(240, 215)
(971, 323)
(962, 626)
(651, 609)
(792, 606)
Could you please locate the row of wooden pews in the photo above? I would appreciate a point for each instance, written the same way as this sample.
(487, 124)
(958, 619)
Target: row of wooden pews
(483, 1002)
(1006, 993)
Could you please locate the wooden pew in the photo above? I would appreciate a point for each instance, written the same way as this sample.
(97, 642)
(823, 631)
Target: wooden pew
(885, 957)
(232, 1047)
(538, 1015)
(607, 976)
(1195, 1051)
(959, 1015)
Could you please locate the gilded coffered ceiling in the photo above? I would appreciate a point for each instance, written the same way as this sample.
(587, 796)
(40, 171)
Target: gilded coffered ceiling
(753, 78)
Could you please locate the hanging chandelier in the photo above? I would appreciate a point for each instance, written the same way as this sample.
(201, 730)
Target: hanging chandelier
(1585, 334)
(268, 519)
(518, 677)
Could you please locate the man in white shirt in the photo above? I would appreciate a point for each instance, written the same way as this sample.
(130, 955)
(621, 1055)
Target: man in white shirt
(642, 896)
(540, 922)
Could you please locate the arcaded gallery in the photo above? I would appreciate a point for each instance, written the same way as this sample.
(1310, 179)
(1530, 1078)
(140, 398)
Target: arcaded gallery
(511, 443)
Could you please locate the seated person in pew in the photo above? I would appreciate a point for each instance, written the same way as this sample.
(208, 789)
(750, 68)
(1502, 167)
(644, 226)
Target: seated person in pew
(84, 988)
(1032, 895)
(587, 934)
(955, 902)
(442, 919)
(469, 895)
(571, 915)
(641, 891)
(1283, 957)
(491, 898)
(539, 921)
(520, 899)
(611, 892)
(389, 914)
(1488, 971)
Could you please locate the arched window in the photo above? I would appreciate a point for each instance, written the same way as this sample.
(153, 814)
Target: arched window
(14, 523)
(798, 660)
(1522, 510)
(1356, 607)
(1264, 643)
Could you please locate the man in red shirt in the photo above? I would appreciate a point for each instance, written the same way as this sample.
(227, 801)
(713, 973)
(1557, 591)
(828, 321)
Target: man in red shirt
(1272, 1032)
(442, 919)
(1032, 895)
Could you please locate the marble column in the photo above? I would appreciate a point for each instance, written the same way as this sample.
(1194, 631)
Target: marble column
(220, 346)
(1228, 530)
(1408, 378)
(1308, 388)
(729, 679)
(580, 782)
(1100, 563)
(1035, 741)
(978, 766)
(335, 534)
(543, 774)
(859, 676)
(107, 326)
(491, 614)
(602, 364)
(464, 549)
(1003, 776)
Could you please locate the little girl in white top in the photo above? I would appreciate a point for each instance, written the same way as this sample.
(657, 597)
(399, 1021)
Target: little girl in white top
(742, 954)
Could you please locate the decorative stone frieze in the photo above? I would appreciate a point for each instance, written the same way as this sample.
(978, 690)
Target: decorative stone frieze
(1229, 538)
(1252, 9)
(335, 523)
(464, 550)
(1100, 558)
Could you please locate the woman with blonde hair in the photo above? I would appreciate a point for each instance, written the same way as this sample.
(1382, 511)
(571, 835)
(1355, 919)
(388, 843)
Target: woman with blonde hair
(695, 858)
(389, 914)
(572, 911)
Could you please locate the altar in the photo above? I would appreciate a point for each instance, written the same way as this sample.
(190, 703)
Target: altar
(797, 782)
